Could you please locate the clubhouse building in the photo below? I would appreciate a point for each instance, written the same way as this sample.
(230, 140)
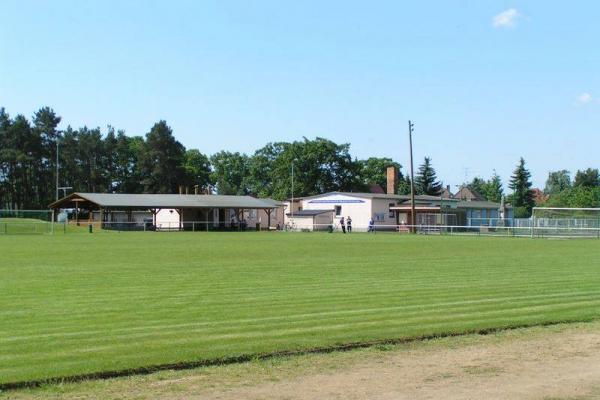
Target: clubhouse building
(391, 211)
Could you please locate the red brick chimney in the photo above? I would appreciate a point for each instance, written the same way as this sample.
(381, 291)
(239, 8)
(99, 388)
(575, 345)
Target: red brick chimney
(392, 179)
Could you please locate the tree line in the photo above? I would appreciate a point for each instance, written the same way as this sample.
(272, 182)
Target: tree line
(95, 160)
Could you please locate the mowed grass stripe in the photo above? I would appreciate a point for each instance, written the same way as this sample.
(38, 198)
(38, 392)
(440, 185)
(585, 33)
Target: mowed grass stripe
(66, 331)
(87, 303)
(205, 335)
(366, 331)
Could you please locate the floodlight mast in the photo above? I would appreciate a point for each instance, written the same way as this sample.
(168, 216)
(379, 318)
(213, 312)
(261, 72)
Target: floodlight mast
(412, 179)
(292, 203)
(57, 166)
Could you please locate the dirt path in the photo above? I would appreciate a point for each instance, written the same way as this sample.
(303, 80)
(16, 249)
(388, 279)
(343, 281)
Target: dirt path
(540, 363)
(557, 365)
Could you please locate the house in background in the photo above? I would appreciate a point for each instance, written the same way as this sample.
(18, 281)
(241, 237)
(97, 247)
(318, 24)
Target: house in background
(391, 211)
(446, 193)
(465, 193)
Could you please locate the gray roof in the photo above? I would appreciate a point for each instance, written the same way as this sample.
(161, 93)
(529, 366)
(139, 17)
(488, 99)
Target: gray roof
(401, 197)
(147, 201)
(309, 213)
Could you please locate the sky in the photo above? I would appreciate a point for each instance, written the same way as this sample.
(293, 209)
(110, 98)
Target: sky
(485, 82)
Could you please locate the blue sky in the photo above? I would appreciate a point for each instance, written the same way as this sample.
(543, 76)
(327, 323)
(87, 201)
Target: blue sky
(485, 82)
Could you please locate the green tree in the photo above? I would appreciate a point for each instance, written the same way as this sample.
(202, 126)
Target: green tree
(109, 159)
(161, 161)
(374, 171)
(557, 182)
(577, 197)
(320, 166)
(20, 152)
(45, 129)
(478, 185)
(266, 167)
(5, 187)
(426, 181)
(404, 185)
(492, 190)
(522, 198)
(128, 170)
(587, 178)
(197, 169)
(230, 173)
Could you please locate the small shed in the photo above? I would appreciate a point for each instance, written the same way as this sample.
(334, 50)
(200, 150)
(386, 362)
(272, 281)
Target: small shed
(311, 220)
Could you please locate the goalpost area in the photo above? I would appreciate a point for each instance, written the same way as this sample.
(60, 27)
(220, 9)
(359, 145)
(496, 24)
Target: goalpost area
(565, 222)
(14, 222)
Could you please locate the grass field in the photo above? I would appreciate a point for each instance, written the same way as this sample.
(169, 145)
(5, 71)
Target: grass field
(78, 303)
(13, 226)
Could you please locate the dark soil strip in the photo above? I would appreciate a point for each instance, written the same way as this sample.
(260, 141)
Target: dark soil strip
(264, 356)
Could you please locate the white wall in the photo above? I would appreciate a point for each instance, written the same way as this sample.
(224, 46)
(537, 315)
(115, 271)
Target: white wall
(304, 223)
(167, 219)
(358, 208)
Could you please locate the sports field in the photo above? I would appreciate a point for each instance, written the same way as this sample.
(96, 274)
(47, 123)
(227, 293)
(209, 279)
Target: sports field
(78, 303)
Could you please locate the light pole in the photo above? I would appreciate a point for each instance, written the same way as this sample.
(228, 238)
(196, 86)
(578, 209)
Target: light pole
(57, 165)
(412, 179)
(64, 189)
(292, 203)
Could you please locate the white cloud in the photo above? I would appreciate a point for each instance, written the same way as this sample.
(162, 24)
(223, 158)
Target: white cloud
(506, 19)
(584, 98)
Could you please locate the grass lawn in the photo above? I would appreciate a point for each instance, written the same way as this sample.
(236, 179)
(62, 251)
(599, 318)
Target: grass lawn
(26, 226)
(80, 303)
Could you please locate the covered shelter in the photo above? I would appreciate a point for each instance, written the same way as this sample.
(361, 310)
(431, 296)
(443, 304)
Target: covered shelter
(208, 211)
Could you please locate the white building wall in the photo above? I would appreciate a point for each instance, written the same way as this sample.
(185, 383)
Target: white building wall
(167, 219)
(358, 208)
(304, 223)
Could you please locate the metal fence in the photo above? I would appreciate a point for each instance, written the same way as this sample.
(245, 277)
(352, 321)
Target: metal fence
(41, 222)
(514, 228)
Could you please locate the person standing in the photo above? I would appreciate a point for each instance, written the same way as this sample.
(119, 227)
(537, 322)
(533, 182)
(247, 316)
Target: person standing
(371, 225)
(349, 224)
(343, 225)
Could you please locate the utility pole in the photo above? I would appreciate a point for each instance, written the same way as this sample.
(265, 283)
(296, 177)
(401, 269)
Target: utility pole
(292, 204)
(412, 179)
(57, 166)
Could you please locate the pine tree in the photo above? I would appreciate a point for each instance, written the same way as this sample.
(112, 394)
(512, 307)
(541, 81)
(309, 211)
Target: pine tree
(522, 198)
(493, 189)
(426, 181)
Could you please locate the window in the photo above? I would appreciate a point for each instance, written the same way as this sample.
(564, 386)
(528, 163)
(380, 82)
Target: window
(338, 211)
(391, 212)
(379, 216)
